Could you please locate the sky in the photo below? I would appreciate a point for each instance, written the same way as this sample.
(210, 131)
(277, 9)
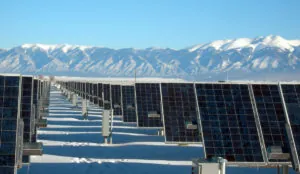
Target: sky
(144, 23)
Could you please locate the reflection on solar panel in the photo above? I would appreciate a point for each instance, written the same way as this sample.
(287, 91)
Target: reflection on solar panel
(148, 104)
(128, 104)
(180, 113)
(116, 99)
(271, 116)
(291, 96)
(100, 92)
(106, 96)
(26, 114)
(11, 124)
(228, 123)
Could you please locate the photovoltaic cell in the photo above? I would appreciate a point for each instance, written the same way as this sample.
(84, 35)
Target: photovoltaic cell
(106, 96)
(10, 124)
(148, 104)
(180, 113)
(116, 99)
(291, 95)
(271, 116)
(26, 113)
(128, 104)
(228, 123)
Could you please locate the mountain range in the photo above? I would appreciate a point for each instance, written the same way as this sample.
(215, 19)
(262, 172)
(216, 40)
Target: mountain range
(259, 58)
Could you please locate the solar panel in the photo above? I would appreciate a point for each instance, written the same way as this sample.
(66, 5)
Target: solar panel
(228, 123)
(128, 104)
(95, 93)
(100, 92)
(10, 124)
(26, 113)
(85, 91)
(148, 103)
(106, 96)
(271, 116)
(35, 105)
(81, 89)
(180, 113)
(116, 99)
(90, 89)
(291, 96)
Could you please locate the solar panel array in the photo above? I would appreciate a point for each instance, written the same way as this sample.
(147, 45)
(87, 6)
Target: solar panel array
(291, 96)
(237, 121)
(128, 104)
(148, 104)
(180, 112)
(116, 99)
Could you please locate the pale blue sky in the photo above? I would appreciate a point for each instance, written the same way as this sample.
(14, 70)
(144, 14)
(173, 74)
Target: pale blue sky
(144, 23)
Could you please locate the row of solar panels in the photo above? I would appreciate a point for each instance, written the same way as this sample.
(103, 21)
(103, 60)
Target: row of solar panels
(243, 123)
(22, 103)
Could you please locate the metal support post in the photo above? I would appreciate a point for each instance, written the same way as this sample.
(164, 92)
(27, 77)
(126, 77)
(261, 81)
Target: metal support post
(84, 109)
(74, 100)
(285, 169)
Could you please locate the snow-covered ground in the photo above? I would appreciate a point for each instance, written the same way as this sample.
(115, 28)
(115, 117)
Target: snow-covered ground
(73, 145)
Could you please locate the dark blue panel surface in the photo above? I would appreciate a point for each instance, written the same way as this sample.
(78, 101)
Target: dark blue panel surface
(180, 112)
(148, 101)
(228, 123)
(128, 104)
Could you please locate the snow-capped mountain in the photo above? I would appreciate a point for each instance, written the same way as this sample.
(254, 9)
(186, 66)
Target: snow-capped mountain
(262, 55)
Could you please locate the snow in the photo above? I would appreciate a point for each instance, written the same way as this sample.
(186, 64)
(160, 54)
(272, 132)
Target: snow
(216, 44)
(42, 46)
(47, 47)
(256, 43)
(196, 47)
(275, 41)
(295, 43)
(238, 43)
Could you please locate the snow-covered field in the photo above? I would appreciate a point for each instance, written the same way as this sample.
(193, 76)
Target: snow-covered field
(73, 145)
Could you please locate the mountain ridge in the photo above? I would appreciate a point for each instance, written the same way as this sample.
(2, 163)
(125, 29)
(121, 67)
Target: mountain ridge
(242, 55)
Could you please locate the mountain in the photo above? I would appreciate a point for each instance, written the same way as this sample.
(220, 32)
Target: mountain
(237, 58)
